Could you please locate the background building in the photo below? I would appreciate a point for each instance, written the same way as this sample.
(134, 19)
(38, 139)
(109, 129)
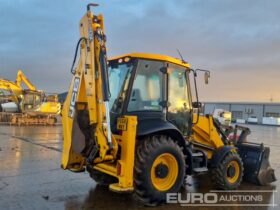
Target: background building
(245, 110)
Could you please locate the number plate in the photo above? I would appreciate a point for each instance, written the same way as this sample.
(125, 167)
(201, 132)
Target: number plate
(122, 124)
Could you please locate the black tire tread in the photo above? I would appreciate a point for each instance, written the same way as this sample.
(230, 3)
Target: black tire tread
(218, 176)
(144, 149)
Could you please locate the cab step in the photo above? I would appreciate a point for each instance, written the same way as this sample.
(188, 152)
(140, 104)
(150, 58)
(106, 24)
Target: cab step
(197, 154)
(200, 170)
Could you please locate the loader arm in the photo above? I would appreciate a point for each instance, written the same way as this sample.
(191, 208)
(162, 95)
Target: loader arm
(209, 136)
(206, 135)
(87, 99)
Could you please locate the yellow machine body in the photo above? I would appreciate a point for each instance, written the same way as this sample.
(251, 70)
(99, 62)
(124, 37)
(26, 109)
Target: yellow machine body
(86, 94)
(205, 135)
(156, 162)
(50, 105)
(153, 56)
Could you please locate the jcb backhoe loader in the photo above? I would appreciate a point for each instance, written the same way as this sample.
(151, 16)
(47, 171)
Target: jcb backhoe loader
(130, 123)
(26, 106)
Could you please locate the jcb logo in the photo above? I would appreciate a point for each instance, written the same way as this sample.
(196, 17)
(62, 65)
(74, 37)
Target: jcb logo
(74, 97)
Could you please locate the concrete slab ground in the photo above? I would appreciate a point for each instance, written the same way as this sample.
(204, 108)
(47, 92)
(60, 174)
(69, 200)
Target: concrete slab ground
(31, 177)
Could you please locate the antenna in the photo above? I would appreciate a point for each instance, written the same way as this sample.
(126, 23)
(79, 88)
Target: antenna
(271, 98)
(181, 56)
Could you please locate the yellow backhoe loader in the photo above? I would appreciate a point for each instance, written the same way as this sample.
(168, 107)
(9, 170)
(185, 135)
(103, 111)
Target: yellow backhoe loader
(129, 121)
(26, 106)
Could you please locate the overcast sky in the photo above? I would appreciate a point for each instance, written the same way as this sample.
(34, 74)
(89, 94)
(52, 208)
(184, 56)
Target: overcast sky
(239, 41)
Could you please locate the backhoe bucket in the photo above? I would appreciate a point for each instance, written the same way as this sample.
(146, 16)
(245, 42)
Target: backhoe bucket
(255, 158)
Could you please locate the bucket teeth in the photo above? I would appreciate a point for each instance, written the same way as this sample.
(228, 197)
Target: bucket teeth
(266, 176)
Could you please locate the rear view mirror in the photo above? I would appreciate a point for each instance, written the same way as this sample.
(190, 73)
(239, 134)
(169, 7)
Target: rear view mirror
(196, 105)
(206, 74)
(206, 77)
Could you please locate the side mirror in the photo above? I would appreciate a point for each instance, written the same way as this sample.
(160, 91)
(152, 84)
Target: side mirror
(206, 77)
(197, 105)
(206, 74)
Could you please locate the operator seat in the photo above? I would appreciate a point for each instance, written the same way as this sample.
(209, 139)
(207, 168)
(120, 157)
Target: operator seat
(135, 102)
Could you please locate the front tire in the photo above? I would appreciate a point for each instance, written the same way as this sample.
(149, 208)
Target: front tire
(229, 172)
(159, 169)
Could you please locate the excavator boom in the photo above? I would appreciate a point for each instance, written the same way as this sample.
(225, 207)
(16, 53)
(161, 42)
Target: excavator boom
(10, 86)
(21, 77)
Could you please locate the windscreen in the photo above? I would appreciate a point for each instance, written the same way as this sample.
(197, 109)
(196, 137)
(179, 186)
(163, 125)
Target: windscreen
(119, 74)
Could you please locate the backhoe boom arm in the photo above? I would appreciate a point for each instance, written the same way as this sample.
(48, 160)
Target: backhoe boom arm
(89, 94)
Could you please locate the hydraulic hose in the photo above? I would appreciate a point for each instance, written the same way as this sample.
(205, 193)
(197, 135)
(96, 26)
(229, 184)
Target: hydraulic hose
(76, 53)
(105, 77)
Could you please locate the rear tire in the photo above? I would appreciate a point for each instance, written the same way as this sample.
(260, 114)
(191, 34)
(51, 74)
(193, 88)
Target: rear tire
(101, 178)
(228, 174)
(159, 169)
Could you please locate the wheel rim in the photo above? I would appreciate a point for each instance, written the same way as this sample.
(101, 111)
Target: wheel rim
(233, 171)
(164, 171)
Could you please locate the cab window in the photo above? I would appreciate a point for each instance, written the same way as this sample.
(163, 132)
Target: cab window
(178, 98)
(147, 90)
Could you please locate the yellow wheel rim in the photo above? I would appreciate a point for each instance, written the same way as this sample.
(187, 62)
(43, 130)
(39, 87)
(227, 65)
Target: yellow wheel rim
(164, 172)
(233, 176)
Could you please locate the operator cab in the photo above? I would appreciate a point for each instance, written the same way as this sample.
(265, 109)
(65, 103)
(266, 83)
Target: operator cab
(153, 87)
(31, 100)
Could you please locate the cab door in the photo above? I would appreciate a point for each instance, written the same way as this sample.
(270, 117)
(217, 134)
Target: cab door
(179, 98)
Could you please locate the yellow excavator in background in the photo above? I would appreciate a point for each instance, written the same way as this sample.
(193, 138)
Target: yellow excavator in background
(22, 78)
(26, 106)
(130, 122)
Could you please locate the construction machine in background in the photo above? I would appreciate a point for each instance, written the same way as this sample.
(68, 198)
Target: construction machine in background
(129, 121)
(19, 106)
(21, 78)
(223, 116)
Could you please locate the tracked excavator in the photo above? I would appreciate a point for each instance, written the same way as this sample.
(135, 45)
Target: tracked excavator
(26, 106)
(130, 123)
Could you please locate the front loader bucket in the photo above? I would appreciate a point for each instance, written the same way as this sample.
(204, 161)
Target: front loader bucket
(255, 159)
